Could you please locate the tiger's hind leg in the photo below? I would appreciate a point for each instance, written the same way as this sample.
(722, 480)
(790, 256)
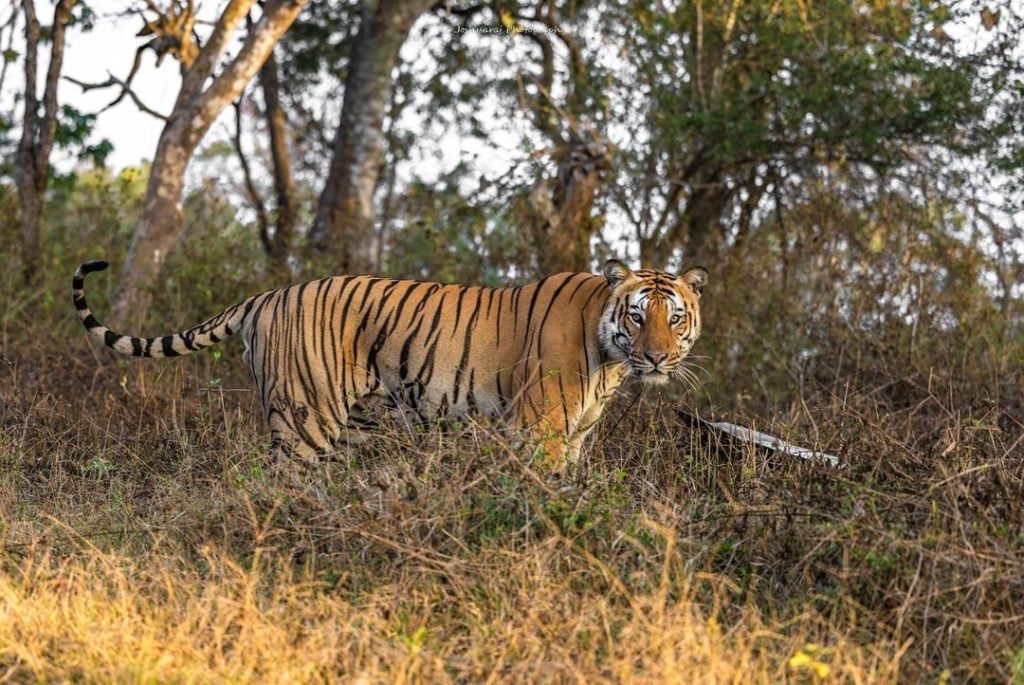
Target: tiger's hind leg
(301, 440)
(291, 457)
(374, 414)
(362, 422)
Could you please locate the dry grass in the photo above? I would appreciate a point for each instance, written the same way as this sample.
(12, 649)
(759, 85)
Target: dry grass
(144, 543)
(523, 617)
(143, 540)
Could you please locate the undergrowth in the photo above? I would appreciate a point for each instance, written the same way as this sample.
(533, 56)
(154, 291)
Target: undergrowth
(144, 539)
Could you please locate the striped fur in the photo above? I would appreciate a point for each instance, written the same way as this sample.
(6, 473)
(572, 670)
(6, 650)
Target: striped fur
(545, 357)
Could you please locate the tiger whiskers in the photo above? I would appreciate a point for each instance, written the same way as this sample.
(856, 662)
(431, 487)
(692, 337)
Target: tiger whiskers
(687, 378)
(689, 364)
(686, 372)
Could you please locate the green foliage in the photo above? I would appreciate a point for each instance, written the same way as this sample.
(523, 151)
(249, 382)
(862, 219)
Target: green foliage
(72, 134)
(90, 217)
(772, 80)
(1016, 662)
(312, 57)
(73, 126)
(746, 105)
(448, 239)
(83, 17)
(316, 46)
(98, 152)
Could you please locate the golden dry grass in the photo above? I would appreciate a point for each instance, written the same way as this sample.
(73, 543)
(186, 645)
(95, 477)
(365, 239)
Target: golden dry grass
(100, 617)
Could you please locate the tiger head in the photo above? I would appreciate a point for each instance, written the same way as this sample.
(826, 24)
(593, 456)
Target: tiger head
(652, 319)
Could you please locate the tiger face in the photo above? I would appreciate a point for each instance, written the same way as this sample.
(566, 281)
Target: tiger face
(652, 319)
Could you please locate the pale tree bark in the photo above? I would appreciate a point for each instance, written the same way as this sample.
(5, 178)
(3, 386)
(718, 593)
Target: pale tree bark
(344, 223)
(37, 135)
(202, 97)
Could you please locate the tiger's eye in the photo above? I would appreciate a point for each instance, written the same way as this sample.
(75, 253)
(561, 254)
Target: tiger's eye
(637, 319)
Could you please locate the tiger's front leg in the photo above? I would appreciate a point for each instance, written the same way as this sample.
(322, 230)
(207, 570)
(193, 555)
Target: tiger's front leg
(561, 445)
(565, 422)
(549, 419)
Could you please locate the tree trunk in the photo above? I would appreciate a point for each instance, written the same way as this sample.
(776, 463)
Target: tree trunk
(562, 208)
(695, 225)
(33, 157)
(284, 186)
(647, 251)
(197, 106)
(343, 227)
(158, 232)
(699, 224)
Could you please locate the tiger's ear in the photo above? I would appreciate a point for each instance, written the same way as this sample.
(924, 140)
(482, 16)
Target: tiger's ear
(696, 278)
(615, 271)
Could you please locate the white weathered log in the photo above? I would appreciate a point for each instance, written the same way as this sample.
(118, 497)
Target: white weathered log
(762, 439)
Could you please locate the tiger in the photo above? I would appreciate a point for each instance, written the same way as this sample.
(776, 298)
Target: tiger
(542, 358)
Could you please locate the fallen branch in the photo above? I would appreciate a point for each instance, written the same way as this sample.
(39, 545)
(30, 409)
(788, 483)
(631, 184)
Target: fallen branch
(758, 438)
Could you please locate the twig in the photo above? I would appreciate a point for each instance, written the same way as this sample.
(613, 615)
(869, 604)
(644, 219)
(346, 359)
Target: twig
(125, 90)
(626, 410)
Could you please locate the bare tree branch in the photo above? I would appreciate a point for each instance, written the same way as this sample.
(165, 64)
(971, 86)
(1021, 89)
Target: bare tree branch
(173, 33)
(277, 17)
(125, 90)
(216, 44)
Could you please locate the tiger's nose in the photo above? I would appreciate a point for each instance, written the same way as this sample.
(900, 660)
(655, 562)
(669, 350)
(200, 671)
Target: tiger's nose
(655, 357)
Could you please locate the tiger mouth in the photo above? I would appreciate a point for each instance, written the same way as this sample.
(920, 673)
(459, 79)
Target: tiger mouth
(655, 377)
(651, 373)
